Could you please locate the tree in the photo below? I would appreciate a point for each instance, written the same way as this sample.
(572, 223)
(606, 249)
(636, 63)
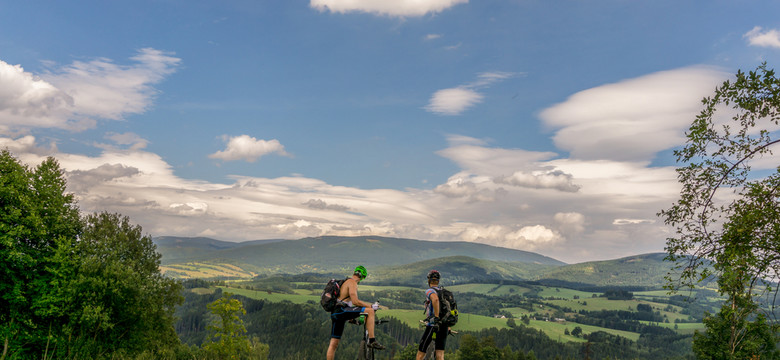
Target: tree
(227, 340)
(577, 331)
(36, 215)
(727, 220)
(117, 299)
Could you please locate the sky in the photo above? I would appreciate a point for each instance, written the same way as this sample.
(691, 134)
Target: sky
(545, 126)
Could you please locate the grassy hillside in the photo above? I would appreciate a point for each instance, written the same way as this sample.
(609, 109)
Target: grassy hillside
(332, 254)
(636, 272)
(456, 270)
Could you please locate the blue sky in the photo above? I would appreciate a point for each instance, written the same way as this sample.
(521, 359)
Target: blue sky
(535, 125)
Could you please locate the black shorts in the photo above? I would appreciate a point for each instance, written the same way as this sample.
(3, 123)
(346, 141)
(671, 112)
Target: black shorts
(340, 316)
(428, 336)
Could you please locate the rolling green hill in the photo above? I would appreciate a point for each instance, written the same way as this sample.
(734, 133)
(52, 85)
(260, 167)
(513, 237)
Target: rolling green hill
(639, 272)
(457, 270)
(403, 262)
(325, 254)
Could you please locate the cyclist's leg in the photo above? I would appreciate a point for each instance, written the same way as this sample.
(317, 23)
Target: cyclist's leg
(441, 343)
(425, 340)
(370, 315)
(334, 344)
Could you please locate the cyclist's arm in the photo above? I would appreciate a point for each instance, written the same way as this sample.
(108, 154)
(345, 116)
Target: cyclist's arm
(435, 304)
(354, 297)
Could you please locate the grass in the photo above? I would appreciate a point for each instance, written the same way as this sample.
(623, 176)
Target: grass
(564, 293)
(273, 297)
(490, 289)
(557, 331)
(470, 322)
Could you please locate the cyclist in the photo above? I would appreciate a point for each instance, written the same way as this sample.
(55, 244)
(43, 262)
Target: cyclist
(352, 308)
(432, 313)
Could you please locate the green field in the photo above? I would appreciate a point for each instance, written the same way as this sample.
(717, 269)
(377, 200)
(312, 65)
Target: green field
(564, 293)
(274, 297)
(557, 330)
(572, 299)
(490, 289)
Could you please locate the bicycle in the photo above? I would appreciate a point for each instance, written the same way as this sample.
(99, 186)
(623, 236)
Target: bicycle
(430, 351)
(366, 352)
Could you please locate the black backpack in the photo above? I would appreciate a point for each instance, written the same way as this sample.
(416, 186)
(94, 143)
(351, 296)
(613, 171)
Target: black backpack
(330, 295)
(448, 307)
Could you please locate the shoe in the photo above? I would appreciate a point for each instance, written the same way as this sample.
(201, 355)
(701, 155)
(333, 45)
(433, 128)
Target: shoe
(376, 345)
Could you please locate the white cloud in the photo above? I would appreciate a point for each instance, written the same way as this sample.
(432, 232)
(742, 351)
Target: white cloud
(247, 148)
(763, 38)
(570, 223)
(432, 36)
(400, 8)
(555, 179)
(632, 119)
(75, 96)
(532, 237)
(454, 101)
(26, 144)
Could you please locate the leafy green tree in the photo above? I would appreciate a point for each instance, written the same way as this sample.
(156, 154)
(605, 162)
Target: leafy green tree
(228, 339)
(35, 216)
(118, 301)
(727, 219)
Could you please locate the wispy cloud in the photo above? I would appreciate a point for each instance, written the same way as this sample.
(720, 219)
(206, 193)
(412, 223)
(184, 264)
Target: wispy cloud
(401, 8)
(247, 148)
(454, 101)
(763, 38)
(75, 96)
(633, 119)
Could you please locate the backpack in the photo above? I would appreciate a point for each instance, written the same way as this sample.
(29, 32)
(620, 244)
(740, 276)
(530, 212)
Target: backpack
(448, 307)
(330, 295)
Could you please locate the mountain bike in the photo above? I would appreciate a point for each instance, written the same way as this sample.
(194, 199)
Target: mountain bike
(366, 352)
(430, 352)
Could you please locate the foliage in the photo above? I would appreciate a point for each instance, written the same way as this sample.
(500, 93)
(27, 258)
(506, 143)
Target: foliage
(727, 219)
(747, 339)
(76, 287)
(36, 216)
(227, 339)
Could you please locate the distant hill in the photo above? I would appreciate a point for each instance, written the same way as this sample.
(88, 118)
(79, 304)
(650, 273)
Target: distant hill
(324, 254)
(402, 262)
(458, 270)
(174, 248)
(639, 272)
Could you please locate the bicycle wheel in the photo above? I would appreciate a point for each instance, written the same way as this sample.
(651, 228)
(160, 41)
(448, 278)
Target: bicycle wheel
(430, 352)
(362, 350)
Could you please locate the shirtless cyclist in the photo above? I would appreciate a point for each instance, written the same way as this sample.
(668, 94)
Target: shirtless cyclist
(352, 309)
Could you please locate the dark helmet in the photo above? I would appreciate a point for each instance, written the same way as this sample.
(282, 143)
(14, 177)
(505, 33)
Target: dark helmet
(434, 275)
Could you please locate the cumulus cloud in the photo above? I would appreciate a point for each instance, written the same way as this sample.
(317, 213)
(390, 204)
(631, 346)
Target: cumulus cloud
(318, 204)
(634, 119)
(532, 237)
(555, 179)
(247, 148)
(85, 179)
(763, 38)
(401, 8)
(26, 145)
(75, 96)
(570, 223)
(454, 101)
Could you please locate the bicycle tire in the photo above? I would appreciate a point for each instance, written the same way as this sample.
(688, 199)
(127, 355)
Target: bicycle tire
(362, 350)
(430, 352)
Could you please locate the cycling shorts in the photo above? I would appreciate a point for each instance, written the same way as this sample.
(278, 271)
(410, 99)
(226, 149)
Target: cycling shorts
(340, 316)
(428, 336)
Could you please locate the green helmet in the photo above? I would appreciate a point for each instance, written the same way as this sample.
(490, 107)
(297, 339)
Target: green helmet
(361, 271)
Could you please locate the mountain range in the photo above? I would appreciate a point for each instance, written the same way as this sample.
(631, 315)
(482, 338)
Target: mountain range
(400, 261)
